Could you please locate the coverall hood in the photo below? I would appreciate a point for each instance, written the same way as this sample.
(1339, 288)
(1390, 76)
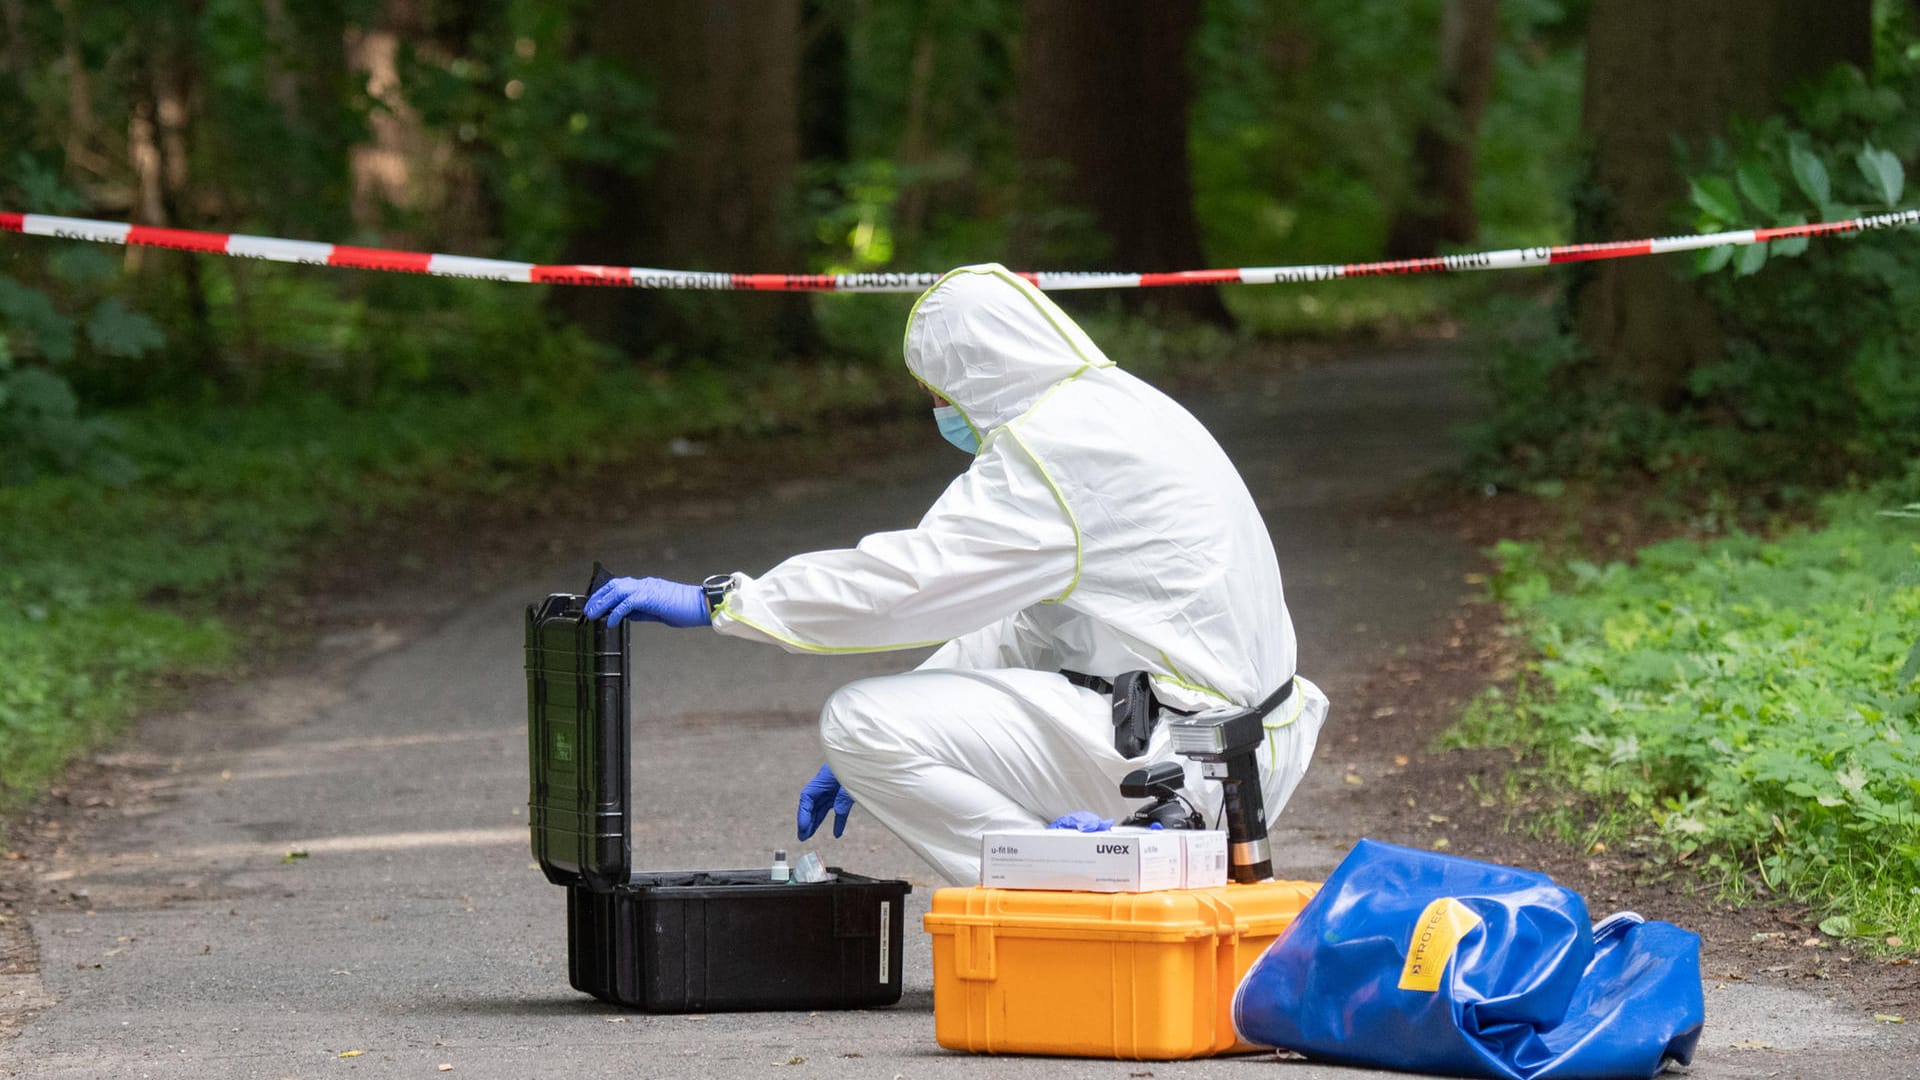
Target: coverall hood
(992, 344)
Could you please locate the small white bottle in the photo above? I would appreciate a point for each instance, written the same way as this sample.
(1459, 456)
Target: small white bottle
(781, 874)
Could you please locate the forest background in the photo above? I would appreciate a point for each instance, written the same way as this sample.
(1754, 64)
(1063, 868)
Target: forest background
(178, 432)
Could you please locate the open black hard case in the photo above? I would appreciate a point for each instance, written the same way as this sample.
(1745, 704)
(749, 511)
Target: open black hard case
(678, 940)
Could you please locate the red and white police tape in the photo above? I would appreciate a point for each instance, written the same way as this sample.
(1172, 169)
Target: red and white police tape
(314, 254)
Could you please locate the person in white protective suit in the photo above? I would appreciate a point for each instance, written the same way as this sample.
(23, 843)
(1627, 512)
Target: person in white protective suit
(1099, 530)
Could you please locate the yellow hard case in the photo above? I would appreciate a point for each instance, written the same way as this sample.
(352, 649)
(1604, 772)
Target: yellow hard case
(1147, 976)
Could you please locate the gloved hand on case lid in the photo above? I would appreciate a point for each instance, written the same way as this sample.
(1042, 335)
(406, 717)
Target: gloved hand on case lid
(821, 792)
(1082, 820)
(650, 599)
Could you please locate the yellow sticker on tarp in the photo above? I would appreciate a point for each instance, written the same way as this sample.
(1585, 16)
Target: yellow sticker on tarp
(1435, 936)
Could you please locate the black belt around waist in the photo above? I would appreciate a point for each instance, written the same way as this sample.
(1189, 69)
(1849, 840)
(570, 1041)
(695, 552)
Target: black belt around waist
(1136, 708)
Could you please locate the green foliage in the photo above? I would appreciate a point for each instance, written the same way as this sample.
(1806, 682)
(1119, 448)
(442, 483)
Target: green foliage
(1884, 171)
(42, 428)
(1819, 379)
(1751, 706)
(852, 209)
(1552, 414)
(1529, 154)
(1719, 200)
(499, 109)
(930, 90)
(121, 333)
(1277, 173)
(1280, 178)
(526, 108)
(1803, 365)
(1156, 351)
(513, 125)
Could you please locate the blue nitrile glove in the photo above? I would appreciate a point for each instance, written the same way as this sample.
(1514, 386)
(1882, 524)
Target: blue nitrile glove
(650, 599)
(1082, 820)
(821, 792)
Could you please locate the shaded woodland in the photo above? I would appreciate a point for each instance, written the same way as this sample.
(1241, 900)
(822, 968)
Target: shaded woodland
(830, 135)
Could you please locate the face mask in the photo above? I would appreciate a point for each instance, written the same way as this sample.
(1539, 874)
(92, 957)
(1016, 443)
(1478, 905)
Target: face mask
(954, 428)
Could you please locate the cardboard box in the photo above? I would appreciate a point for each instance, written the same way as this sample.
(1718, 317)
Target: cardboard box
(1206, 858)
(1203, 855)
(1067, 861)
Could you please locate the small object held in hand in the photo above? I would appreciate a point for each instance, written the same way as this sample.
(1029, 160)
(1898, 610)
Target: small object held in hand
(810, 870)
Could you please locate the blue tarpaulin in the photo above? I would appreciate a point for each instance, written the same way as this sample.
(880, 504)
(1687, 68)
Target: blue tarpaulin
(1429, 963)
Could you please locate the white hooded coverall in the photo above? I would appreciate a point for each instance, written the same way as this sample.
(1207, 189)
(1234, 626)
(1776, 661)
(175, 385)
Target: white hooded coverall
(1100, 529)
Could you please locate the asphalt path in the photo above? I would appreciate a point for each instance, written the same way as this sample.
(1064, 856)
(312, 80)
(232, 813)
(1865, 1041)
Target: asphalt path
(181, 937)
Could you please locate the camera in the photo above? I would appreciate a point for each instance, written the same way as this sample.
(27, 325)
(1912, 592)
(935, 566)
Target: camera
(1170, 809)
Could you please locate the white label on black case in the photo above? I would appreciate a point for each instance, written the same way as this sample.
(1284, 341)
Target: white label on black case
(886, 936)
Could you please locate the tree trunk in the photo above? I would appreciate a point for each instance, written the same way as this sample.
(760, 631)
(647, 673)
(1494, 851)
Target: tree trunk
(385, 168)
(159, 136)
(1657, 70)
(823, 86)
(283, 85)
(79, 148)
(17, 109)
(310, 83)
(1444, 144)
(408, 167)
(728, 78)
(1102, 124)
(15, 60)
(916, 139)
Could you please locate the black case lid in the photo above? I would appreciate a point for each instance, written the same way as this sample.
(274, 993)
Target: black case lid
(578, 742)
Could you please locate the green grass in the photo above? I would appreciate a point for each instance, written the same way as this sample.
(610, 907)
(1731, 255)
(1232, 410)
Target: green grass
(105, 589)
(73, 674)
(1752, 706)
(1354, 305)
